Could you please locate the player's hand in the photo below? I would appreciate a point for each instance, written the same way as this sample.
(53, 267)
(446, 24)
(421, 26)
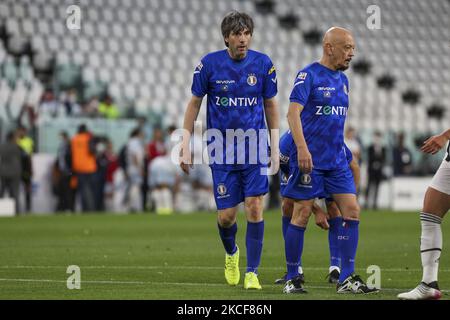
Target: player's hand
(320, 216)
(186, 160)
(434, 144)
(274, 163)
(304, 159)
(321, 220)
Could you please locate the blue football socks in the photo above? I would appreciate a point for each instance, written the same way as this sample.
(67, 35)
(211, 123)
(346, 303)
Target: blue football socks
(293, 249)
(254, 242)
(228, 236)
(348, 243)
(333, 232)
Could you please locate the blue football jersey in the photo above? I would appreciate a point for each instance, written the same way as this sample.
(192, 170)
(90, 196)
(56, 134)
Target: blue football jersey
(287, 144)
(324, 95)
(235, 91)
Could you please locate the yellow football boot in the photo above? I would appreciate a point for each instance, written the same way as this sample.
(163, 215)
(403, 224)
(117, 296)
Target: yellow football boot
(232, 274)
(251, 281)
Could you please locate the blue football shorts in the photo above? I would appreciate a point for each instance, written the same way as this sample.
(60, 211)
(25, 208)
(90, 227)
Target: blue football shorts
(232, 187)
(318, 184)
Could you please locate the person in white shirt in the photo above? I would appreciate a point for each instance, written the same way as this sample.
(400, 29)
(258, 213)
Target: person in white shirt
(135, 168)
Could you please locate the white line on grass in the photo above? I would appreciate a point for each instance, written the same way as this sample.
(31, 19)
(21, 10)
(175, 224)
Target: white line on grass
(115, 282)
(196, 268)
(174, 283)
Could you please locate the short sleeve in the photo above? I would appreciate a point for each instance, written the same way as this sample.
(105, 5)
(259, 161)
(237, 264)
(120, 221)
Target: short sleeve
(270, 81)
(200, 79)
(348, 154)
(302, 88)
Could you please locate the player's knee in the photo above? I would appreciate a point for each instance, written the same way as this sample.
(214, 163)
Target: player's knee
(302, 216)
(226, 219)
(352, 211)
(253, 207)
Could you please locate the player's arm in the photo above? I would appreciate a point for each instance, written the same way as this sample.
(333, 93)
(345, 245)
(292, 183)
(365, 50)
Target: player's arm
(435, 143)
(356, 170)
(295, 125)
(273, 123)
(192, 110)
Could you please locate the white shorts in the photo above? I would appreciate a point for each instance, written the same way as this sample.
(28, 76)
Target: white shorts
(162, 171)
(201, 173)
(441, 180)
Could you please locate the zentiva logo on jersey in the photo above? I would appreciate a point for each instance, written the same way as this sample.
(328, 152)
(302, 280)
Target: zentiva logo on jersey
(331, 111)
(236, 102)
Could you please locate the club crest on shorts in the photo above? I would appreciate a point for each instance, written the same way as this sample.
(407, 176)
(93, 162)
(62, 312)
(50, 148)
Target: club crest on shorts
(251, 79)
(305, 178)
(221, 189)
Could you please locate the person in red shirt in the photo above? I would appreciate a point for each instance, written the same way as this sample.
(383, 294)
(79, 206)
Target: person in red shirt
(113, 165)
(155, 148)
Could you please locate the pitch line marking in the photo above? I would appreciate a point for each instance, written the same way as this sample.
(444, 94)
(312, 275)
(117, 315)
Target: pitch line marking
(196, 268)
(172, 283)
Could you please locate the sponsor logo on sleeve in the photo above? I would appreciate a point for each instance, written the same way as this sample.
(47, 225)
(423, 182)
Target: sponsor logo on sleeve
(271, 70)
(198, 68)
(302, 76)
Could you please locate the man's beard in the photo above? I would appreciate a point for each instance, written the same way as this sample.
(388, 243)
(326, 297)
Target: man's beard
(342, 67)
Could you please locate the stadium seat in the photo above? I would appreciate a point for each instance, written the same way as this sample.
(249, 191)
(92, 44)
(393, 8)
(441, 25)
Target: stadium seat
(49, 12)
(146, 37)
(4, 11)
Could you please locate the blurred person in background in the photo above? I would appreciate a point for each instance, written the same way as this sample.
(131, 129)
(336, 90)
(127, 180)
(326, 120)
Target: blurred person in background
(63, 169)
(113, 165)
(102, 160)
(11, 168)
(84, 166)
(402, 157)
(135, 169)
(27, 145)
(352, 142)
(375, 163)
(28, 117)
(155, 148)
(164, 176)
(200, 175)
(49, 106)
(145, 128)
(70, 103)
(163, 179)
(90, 108)
(108, 109)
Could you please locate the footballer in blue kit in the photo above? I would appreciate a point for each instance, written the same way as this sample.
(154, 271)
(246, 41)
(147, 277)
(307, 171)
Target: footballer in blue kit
(331, 220)
(240, 85)
(318, 108)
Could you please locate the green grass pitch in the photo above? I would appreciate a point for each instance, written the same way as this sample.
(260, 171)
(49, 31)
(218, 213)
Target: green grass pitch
(146, 256)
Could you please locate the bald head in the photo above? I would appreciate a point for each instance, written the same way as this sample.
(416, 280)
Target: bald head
(338, 48)
(336, 35)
